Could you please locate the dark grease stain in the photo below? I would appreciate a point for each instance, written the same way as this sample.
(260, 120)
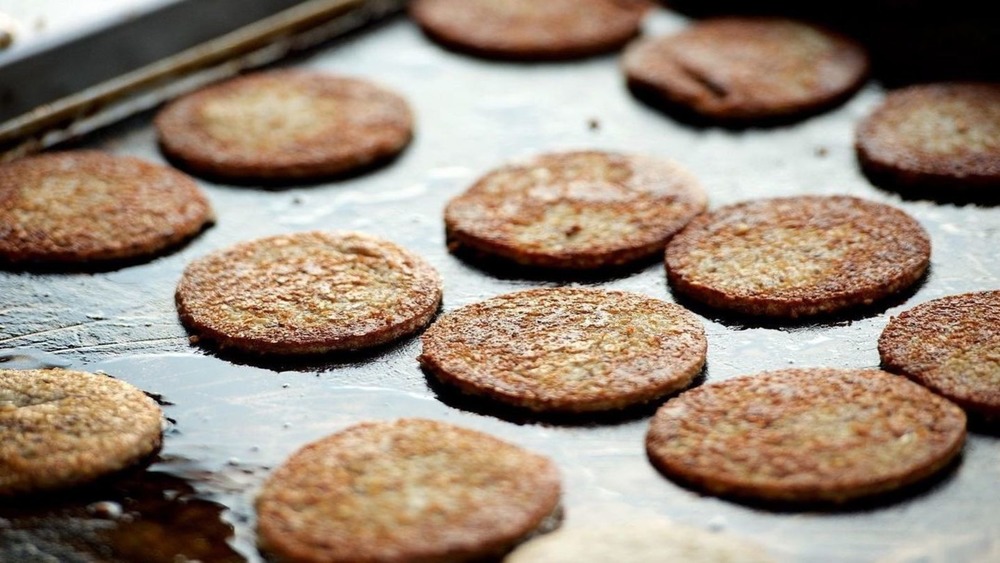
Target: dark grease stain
(29, 358)
(141, 516)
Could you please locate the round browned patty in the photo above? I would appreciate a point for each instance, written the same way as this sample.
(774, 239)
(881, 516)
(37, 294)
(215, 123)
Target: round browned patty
(60, 428)
(798, 256)
(640, 541)
(410, 490)
(308, 293)
(578, 210)
(530, 29)
(284, 125)
(566, 349)
(88, 206)
(805, 435)
(940, 136)
(747, 69)
(952, 346)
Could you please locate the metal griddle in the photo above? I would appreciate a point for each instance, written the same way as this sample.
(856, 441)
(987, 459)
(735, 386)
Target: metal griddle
(233, 419)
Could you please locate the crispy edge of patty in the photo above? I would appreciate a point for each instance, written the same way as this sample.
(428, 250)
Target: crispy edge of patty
(407, 541)
(810, 302)
(137, 429)
(187, 211)
(711, 102)
(434, 18)
(439, 346)
(426, 293)
(911, 345)
(687, 191)
(188, 144)
(949, 430)
(891, 159)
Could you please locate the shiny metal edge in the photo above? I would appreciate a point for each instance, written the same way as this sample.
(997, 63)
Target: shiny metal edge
(265, 41)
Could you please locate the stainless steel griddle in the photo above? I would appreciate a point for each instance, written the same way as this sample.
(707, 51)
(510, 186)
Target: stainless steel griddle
(233, 419)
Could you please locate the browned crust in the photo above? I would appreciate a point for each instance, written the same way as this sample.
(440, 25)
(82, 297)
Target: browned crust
(308, 293)
(798, 256)
(576, 210)
(409, 490)
(88, 206)
(942, 136)
(61, 428)
(806, 435)
(284, 125)
(528, 29)
(952, 346)
(747, 69)
(567, 349)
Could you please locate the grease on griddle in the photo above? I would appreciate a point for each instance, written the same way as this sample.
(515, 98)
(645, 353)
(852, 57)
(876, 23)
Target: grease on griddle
(142, 516)
(30, 358)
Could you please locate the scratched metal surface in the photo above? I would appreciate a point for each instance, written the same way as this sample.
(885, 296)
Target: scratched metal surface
(234, 419)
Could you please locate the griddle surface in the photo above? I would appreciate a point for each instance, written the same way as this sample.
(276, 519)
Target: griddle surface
(236, 418)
